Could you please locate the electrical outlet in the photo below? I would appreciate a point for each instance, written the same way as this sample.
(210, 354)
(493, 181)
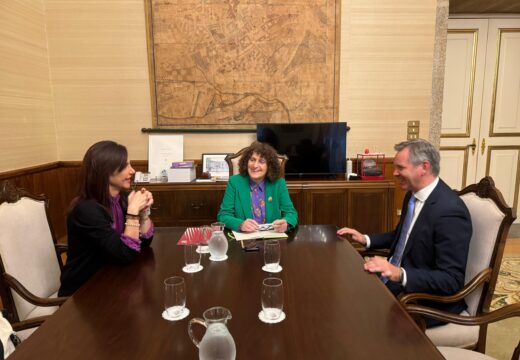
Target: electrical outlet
(412, 130)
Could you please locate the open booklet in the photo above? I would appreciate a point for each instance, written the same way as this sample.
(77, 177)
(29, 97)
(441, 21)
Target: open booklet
(267, 234)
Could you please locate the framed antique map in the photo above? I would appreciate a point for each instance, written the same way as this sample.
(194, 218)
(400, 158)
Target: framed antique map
(230, 64)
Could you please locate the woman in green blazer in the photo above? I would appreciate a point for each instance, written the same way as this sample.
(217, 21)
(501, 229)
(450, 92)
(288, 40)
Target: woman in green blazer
(258, 194)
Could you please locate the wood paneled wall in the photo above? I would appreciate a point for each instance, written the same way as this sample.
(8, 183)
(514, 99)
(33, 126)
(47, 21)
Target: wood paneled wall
(27, 135)
(58, 181)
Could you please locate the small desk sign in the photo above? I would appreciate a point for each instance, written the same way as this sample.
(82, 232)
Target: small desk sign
(163, 150)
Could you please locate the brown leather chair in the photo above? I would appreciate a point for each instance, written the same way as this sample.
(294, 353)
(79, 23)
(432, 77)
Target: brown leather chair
(491, 219)
(233, 159)
(30, 259)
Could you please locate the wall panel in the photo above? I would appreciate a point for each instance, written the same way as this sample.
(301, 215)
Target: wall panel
(386, 70)
(28, 134)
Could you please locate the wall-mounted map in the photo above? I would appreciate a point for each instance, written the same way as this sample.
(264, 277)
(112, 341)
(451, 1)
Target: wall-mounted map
(235, 63)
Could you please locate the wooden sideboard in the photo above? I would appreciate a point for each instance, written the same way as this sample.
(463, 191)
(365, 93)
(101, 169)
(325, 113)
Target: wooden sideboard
(369, 206)
(365, 205)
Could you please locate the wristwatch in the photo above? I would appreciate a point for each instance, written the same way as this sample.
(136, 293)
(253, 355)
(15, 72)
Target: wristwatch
(401, 275)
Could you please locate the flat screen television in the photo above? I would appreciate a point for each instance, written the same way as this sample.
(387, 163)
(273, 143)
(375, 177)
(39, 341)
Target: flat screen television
(312, 148)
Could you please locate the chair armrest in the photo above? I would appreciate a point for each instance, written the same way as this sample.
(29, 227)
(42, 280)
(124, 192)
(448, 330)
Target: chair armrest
(486, 318)
(29, 323)
(478, 280)
(30, 297)
(61, 249)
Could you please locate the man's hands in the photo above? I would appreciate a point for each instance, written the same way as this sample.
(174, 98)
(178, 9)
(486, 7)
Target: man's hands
(356, 235)
(381, 265)
(375, 264)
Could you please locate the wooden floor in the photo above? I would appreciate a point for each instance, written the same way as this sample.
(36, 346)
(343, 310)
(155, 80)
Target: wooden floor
(512, 247)
(513, 241)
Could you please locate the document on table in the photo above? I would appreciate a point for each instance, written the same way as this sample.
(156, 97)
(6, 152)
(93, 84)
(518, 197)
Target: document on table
(268, 234)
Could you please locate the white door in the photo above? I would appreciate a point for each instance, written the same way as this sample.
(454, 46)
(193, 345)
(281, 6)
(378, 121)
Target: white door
(499, 148)
(462, 100)
(482, 105)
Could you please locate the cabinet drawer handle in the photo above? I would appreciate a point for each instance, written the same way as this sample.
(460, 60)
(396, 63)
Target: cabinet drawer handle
(155, 207)
(196, 206)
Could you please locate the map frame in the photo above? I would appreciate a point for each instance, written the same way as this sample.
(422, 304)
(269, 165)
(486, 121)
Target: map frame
(194, 123)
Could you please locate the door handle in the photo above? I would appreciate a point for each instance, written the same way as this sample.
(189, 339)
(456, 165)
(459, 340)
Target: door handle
(473, 146)
(483, 146)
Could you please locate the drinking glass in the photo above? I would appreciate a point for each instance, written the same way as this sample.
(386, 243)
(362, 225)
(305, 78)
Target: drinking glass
(217, 226)
(191, 258)
(205, 233)
(272, 298)
(272, 255)
(174, 296)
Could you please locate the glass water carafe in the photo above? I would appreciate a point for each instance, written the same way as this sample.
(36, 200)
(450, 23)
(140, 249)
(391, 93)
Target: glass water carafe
(217, 342)
(218, 244)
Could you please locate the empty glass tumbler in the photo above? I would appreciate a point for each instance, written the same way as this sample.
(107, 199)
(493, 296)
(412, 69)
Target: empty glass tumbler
(272, 298)
(272, 255)
(174, 296)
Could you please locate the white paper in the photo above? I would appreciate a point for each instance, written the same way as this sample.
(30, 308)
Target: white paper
(162, 151)
(259, 235)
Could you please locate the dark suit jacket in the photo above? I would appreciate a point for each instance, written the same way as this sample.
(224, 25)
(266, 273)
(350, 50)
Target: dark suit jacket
(92, 244)
(437, 249)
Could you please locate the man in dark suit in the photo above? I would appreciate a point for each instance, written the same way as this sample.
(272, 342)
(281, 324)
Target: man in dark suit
(429, 247)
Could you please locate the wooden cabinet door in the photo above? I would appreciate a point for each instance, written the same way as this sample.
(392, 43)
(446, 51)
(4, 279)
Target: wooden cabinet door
(327, 206)
(195, 207)
(297, 200)
(162, 208)
(185, 207)
(369, 210)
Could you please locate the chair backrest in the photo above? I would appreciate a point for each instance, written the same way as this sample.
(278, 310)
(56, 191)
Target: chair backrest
(233, 159)
(27, 249)
(491, 219)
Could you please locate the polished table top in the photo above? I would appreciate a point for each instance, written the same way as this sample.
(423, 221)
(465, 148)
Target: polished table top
(334, 309)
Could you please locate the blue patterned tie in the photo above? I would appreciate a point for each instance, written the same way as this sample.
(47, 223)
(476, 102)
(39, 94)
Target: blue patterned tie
(399, 248)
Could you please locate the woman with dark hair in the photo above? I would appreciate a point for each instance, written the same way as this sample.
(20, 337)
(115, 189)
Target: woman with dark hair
(258, 194)
(105, 223)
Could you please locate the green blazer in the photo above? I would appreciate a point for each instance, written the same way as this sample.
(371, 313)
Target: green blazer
(236, 205)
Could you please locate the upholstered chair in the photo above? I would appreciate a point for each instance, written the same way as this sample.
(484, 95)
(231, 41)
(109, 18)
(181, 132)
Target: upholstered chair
(233, 159)
(455, 353)
(30, 261)
(491, 219)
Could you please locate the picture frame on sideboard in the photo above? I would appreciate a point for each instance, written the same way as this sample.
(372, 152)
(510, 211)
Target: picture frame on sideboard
(215, 165)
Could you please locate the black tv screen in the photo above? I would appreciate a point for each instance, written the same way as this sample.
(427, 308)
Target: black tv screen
(312, 148)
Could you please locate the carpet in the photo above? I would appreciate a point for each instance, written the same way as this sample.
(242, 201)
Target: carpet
(503, 336)
(507, 289)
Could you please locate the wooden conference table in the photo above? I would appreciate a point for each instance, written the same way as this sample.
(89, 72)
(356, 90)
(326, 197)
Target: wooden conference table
(334, 309)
